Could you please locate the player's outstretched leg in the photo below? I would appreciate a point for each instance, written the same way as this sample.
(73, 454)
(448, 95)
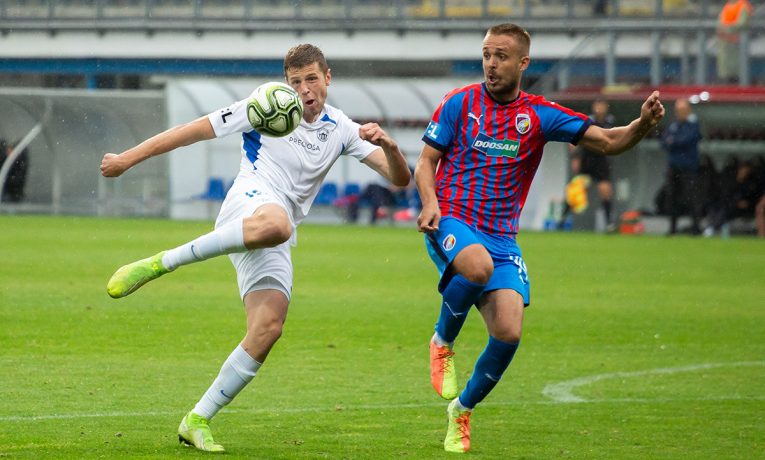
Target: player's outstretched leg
(458, 427)
(458, 296)
(132, 276)
(226, 239)
(194, 431)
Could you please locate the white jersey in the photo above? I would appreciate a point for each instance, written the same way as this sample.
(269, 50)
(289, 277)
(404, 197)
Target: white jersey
(295, 165)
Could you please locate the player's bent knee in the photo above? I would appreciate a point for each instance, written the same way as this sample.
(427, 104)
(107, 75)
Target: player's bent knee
(508, 335)
(268, 332)
(475, 264)
(266, 230)
(479, 274)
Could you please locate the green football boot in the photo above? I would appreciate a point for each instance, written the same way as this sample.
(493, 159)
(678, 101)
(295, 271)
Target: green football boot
(458, 429)
(132, 276)
(194, 431)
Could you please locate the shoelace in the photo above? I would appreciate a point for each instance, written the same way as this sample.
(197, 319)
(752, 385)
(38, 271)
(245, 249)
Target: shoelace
(463, 421)
(442, 357)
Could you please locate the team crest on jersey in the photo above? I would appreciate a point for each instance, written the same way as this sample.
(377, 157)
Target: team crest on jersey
(449, 242)
(522, 123)
(323, 134)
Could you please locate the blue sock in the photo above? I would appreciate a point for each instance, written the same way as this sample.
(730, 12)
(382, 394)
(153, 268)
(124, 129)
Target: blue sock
(488, 370)
(460, 294)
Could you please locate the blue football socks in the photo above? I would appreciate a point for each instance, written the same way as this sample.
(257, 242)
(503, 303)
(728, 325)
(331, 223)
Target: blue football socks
(488, 370)
(460, 294)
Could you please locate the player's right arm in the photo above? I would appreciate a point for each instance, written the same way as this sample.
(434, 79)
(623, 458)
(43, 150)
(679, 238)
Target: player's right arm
(186, 134)
(425, 177)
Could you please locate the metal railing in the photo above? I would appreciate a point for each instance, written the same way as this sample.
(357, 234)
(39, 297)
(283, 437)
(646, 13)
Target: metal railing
(352, 15)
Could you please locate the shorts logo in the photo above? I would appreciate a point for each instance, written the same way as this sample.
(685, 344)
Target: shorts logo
(433, 130)
(522, 123)
(323, 134)
(523, 274)
(496, 148)
(449, 242)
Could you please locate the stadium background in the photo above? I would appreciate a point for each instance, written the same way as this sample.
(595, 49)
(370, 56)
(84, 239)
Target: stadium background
(634, 347)
(101, 75)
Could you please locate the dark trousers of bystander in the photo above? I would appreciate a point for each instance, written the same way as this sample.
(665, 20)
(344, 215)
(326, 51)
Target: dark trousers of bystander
(683, 197)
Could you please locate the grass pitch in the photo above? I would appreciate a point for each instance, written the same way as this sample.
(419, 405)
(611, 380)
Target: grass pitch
(634, 347)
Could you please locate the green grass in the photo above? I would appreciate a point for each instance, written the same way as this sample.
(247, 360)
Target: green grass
(85, 376)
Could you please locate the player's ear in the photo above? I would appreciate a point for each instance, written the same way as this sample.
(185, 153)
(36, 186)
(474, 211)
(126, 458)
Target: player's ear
(525, 61)
(328, 76)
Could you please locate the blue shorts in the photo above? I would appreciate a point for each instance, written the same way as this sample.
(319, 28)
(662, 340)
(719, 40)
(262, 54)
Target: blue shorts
(453, 235)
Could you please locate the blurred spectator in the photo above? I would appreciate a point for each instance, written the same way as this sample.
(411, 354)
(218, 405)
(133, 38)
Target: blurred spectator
(600, 7)
(733, 18)
(594, 165)
(13, 190)
(709, 184)
(681, 141)
(741, 190)
(382, 199)
(759, 216)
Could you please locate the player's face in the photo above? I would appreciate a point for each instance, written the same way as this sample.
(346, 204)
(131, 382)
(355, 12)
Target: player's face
(311, 84)
(504, 61)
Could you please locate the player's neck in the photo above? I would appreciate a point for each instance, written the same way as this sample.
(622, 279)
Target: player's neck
(312, 118)
(504, 97)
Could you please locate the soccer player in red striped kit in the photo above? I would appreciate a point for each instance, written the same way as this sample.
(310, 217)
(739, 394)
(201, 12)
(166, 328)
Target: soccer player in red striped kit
(482, 148)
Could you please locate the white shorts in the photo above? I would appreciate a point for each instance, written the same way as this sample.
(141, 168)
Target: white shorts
(267, 268)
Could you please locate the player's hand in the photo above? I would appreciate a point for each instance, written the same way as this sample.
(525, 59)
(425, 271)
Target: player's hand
(427, 221)
(372, 133)
(652, 110)
(113, 166)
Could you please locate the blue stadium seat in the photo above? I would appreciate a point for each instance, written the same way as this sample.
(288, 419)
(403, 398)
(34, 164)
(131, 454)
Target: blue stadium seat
(327, 193)
(352, 188)
(216, 190)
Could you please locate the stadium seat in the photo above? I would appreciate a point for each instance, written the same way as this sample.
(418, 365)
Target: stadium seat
(327, 193)
(352, 188)
(216, 190)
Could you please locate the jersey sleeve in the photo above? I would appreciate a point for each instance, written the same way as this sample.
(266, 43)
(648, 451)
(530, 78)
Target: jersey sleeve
(440, 131)
(353, 145)
(231, 119)
(561, 124)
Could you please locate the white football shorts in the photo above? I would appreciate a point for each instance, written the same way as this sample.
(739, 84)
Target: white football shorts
(267, 268)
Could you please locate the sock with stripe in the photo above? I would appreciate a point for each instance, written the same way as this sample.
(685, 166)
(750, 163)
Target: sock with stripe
(488, 370)
(226, 239)
(460, 294)
(238, 370)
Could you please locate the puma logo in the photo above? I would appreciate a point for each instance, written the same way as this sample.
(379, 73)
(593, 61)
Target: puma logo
(476, 118)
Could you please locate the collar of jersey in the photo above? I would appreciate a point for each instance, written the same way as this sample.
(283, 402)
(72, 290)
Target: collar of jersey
(488, 94)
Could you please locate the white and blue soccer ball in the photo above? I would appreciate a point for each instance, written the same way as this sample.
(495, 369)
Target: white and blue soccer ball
(274, 109)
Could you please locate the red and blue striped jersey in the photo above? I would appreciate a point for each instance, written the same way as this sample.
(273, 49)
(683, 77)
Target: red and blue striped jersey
(491, 151)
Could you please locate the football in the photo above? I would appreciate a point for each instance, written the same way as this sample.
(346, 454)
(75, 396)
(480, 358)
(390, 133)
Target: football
(274, 109)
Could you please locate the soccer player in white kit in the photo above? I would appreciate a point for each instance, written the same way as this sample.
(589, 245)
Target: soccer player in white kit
(278, 180)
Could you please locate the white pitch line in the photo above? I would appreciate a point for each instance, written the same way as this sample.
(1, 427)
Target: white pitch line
(563, 392)
(366, 407)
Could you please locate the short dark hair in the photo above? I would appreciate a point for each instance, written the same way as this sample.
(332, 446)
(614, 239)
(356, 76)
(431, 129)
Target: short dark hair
(515, 31)
(304, 55)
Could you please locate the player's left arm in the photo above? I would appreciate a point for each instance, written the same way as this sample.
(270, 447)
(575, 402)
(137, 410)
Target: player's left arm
(613, 141)
(388, 160)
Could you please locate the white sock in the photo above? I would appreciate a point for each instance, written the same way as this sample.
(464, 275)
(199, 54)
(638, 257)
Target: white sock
(458, 405)
(227, 239)
(238, 370)
(441, 342)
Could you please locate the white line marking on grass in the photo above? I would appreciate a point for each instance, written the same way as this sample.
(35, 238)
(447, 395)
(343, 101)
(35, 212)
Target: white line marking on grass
(563, 392)
(365, 407)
